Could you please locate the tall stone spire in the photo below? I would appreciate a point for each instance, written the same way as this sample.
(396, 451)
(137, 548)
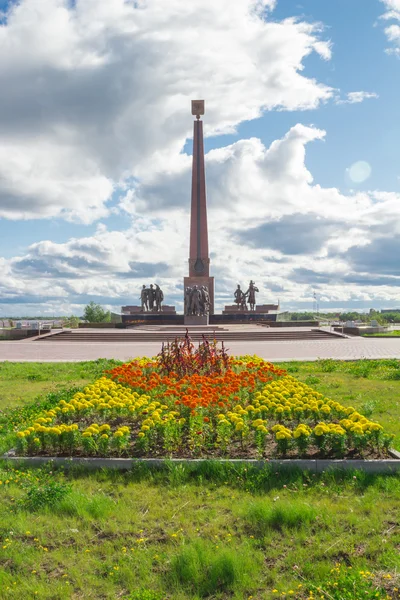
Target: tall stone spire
(199, 260)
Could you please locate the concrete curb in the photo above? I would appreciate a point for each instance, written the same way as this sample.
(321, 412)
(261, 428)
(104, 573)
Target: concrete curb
(313, 465)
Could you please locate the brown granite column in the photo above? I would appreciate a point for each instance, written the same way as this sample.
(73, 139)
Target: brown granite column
(199, 260)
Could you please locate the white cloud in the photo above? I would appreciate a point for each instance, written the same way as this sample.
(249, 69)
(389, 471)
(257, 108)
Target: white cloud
(268, 221)
(357, 97)
(100, 92)
(392, 31)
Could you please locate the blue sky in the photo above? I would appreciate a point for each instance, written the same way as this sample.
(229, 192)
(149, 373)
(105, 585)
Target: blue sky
(94, 186)
(369, 131)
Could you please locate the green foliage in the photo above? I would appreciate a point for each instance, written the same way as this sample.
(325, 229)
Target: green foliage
(43, 495)
(205, 570)
(94, 313)
(303, 316)
(327, 365)
(392, 317)
(98, 506)
(312, 380)
(263, 516)
(71, 322)
(124, 534)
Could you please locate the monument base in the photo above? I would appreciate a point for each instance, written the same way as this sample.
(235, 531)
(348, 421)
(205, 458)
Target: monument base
(259, 309)
(199, 281)
(137, 310)
(193, 320)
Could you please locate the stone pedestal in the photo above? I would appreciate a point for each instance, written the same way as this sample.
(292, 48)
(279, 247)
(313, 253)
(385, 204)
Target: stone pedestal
(193, 320)
(265, 308)
(199, 281)
(260, 309)
(137, 310)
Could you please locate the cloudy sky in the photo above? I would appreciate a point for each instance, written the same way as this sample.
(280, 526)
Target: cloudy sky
(302, 158)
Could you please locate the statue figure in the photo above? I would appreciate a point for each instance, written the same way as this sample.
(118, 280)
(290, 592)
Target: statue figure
(243, 304)
(195, 301)
(143, 298)
(187, 300)
(151, 295)
(251, 293)
(205, 301)
(240, 298)
(159, 297)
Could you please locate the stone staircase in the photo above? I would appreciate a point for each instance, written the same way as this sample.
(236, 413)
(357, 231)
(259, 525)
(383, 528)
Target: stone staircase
(196, 334)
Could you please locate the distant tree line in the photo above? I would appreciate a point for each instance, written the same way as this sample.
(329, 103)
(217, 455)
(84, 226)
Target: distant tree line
(94, 313)
(387, 317)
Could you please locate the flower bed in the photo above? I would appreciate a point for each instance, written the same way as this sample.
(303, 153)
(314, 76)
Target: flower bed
(201, 404)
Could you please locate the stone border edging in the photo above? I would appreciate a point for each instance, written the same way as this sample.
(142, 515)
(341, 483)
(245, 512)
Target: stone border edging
(315, 465)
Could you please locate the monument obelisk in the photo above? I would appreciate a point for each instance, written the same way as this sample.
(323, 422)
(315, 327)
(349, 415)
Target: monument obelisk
(199, 260)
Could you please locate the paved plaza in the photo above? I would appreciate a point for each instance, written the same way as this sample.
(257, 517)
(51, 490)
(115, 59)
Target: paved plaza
(345, 349)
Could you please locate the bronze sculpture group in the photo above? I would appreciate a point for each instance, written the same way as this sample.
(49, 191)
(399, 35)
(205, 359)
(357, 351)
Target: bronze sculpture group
(151, 298)
(197, 301)
(242, 298)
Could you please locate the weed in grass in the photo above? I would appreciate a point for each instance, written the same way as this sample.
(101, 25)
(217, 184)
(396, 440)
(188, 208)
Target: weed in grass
(263, 516)
(145, 595)
(206, 570)
(312, 380)
(368, 407)
(96, 507)
(43, 495)
(327, 365)
(394, 375)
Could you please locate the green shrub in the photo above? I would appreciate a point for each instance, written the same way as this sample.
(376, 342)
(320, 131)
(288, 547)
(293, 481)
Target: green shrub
(312, 380)
(43, 495)
(327, 365)
(393, 375)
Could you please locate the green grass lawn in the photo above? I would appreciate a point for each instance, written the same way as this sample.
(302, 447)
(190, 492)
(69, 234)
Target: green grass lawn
(210, 531)
(214, 532)
(21, 383)
(394, 333)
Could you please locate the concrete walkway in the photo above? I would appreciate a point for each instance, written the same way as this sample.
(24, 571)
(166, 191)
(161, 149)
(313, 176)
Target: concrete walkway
(343, 349)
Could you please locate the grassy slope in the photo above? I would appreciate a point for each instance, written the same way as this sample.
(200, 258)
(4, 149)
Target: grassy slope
(116, 533)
